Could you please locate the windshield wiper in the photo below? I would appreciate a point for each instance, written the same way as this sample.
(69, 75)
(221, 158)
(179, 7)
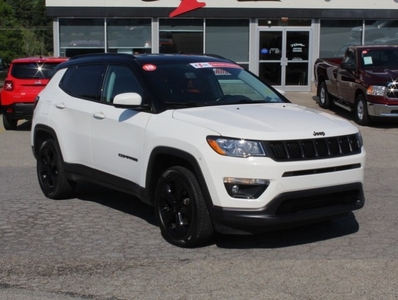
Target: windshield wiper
(184, 104)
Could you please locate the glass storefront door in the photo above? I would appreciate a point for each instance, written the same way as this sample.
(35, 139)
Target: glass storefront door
(284, 58)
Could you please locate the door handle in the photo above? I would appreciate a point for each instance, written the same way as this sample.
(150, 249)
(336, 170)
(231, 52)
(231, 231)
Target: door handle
(99, 115)
(60, 105)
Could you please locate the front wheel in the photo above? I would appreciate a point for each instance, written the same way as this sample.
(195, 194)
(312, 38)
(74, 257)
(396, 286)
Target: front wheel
(181, 210)
(361, 111)
(9, 124)
(50, 172)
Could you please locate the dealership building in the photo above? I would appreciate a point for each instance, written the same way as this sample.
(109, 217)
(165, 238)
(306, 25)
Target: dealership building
(278, 40)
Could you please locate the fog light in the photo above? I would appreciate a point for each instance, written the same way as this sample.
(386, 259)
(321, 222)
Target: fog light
(245, 188)
(235, 189)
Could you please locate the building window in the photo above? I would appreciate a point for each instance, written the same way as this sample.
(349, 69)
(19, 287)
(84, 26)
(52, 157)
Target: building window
(381, 32)
(129, 35)
(180, 36)
(80, 36)
(228, 38)
(337, 35)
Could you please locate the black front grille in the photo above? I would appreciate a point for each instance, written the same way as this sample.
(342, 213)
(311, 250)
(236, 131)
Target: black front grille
(295, 205)
(313, 148)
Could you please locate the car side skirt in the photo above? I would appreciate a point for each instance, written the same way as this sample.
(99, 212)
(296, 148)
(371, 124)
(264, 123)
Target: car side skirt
(77, 172)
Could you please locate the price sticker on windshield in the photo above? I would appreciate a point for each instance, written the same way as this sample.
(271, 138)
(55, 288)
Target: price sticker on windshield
(201, 65)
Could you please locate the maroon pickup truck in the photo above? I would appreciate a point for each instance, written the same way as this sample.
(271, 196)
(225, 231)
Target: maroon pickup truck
(364, 81)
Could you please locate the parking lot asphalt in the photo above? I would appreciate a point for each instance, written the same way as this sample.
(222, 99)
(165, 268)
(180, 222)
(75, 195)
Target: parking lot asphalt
(307, 99)
(104, 245)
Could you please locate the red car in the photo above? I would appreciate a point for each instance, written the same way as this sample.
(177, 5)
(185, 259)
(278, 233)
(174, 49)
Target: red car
(25, 79)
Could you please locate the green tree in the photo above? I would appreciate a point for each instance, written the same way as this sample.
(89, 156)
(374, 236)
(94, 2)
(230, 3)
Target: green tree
(31, 45)
(34, 27)
(43, 24)
(10, 33)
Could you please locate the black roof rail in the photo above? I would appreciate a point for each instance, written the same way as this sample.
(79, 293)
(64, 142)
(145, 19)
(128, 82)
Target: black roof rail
(206, 54)
(215, 55)
(99, 54)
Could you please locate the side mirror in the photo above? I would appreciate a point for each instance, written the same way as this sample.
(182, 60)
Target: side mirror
(127, 100)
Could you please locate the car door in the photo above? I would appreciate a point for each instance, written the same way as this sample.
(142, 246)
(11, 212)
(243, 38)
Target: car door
(346, 79)
(118, 135)
(80, 90)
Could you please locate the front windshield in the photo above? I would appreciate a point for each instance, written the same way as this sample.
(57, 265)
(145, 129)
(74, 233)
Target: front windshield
(383, 58)
(209, 83)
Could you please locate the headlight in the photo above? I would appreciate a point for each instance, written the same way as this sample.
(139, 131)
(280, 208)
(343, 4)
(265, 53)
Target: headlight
(235, 147)
(360, 139)
(376, 90)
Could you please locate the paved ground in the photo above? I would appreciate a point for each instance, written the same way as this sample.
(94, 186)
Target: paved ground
(102, 245)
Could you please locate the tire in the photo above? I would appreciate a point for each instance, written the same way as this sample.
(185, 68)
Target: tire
(361, 115)
(181, 210)
(9, 124)
(50, 172)
(324, 98)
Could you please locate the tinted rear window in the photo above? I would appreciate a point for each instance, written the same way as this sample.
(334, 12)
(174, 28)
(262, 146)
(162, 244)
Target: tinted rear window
(33, 70)
(83, 81)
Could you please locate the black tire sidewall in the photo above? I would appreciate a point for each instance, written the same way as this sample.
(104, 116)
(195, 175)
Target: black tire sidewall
(9, 124)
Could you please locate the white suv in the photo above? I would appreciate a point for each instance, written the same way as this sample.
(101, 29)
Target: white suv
(206, 142)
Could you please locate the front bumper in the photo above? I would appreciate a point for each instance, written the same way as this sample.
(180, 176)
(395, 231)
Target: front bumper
(18, 111)
(291, 209)
(382, 110)
(297, 192)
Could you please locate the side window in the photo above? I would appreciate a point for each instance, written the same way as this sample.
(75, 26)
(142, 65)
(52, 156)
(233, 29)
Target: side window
(86, 82)
(66, 80)
(118, 80)
(350, 57)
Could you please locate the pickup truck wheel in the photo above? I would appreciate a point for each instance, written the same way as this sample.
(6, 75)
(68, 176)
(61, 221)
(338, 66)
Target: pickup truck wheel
(361, 111)
(323, 96)
(181, 210)
(9, 124)
(50, 172)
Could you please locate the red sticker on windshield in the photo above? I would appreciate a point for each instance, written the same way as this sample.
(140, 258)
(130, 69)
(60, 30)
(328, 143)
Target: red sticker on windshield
(149, 67)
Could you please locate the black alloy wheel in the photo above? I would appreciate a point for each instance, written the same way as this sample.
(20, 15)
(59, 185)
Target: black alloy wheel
(181, 210)
(52, 179)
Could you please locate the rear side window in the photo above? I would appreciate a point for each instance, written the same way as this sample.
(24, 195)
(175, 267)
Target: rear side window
(83, 82)
(33, 70)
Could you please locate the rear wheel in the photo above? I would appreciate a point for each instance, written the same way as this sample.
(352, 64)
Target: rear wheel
(9, 124)
(324, 98)
(361, 111)
(50, 172)
(181, 210)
